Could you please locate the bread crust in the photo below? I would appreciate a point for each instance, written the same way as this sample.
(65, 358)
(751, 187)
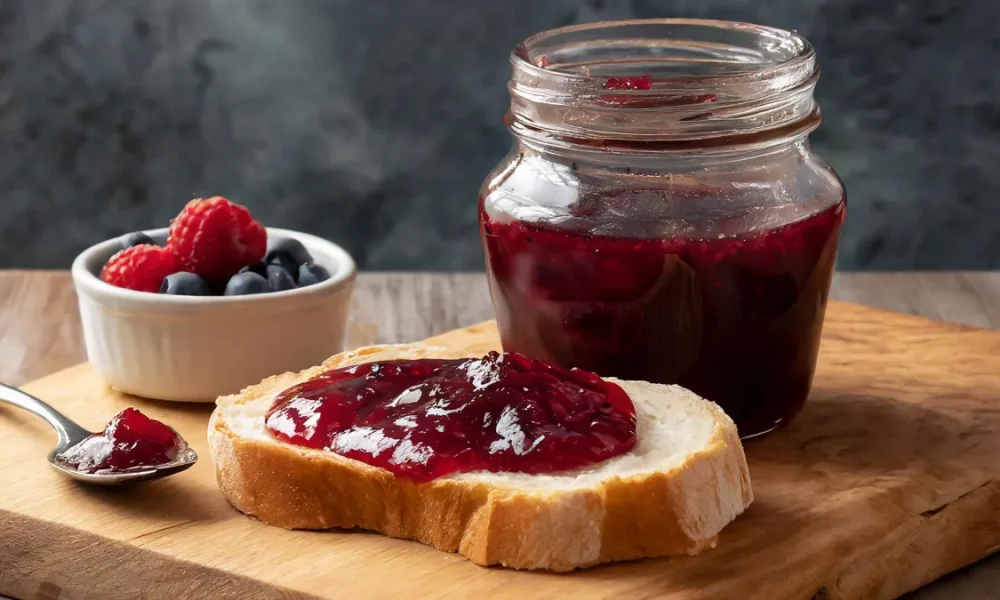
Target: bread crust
(678, 511)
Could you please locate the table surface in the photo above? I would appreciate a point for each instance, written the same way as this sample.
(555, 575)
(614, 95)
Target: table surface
(40, 333)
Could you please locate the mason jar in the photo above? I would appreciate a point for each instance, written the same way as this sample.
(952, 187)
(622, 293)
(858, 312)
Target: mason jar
(661, 215)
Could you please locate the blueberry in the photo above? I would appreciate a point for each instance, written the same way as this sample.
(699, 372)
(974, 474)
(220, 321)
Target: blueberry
(278, 279)
(289, 253)
(135, 239)
(259, 268)
(311, 273)
(286, 262)
(242, 284)
(184, 284)
(291, 248)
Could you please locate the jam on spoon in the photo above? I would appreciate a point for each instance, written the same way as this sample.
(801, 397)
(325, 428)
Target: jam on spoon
(131, 441)
(427, 418)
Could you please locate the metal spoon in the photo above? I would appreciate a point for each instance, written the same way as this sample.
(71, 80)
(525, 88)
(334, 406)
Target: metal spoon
(71, 434)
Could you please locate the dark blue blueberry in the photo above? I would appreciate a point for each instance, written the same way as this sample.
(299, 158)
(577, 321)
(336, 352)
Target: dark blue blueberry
(289, 253)
(258, 268)
(242, 284)
(135, 239)
(311, 273)
(291, 248)
(278, 279)
(286, 262)
(185, 284)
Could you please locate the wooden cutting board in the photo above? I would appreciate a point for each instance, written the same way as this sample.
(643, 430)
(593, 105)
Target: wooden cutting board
(889, 479)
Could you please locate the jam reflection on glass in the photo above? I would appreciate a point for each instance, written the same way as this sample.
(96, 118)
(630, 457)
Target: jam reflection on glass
(130, 441)
(427, 418)
(735, 318)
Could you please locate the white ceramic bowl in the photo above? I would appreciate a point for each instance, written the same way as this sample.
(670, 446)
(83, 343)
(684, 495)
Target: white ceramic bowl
(194, 349)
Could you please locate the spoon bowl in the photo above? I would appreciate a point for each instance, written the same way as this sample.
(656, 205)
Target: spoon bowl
(185, 460)
(70, 434)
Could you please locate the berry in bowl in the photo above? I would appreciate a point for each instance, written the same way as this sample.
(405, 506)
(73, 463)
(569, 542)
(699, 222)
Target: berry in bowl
(211, 304)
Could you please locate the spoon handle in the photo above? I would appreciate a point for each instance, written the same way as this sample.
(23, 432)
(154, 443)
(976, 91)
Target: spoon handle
(68, 431)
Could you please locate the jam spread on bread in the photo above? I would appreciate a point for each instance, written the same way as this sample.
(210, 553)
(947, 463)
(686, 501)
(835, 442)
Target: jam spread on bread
(130, 441)
(427, 418)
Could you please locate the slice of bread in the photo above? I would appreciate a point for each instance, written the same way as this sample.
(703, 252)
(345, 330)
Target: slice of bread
(683, 482)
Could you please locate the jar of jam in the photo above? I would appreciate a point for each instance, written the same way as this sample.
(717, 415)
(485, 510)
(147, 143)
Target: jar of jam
(661, 215)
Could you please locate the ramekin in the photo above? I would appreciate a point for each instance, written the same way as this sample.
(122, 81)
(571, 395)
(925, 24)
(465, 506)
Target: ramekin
(195, 348)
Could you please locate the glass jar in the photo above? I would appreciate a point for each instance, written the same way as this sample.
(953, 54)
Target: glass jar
(661, 216)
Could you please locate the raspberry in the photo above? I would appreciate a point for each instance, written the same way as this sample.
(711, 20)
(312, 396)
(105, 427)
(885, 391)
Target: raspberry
(215, 238)
(140, 268)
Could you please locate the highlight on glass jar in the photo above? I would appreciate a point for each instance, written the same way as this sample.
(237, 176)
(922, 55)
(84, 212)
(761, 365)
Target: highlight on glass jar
(661, 216)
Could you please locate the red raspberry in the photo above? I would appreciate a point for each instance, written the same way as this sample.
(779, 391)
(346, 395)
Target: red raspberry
(141, 268)
(215, 238)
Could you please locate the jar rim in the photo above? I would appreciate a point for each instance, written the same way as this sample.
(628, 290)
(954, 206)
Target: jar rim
(788, 49)
(695, 79)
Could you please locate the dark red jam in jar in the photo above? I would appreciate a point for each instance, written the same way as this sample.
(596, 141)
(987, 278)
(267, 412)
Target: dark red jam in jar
(130, 441)
(426, 418)
(680, 231)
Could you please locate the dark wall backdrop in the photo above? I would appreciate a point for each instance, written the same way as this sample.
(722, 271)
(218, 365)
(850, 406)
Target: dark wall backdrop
(373, 122)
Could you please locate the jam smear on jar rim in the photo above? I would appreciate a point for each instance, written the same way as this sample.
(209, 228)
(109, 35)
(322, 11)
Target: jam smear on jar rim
(639, 82)
(644, 83)
(427, 418)
(736, 319)
(130, 441)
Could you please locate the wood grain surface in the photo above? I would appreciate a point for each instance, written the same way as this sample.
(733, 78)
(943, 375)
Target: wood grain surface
(40, 328)
(39, 333)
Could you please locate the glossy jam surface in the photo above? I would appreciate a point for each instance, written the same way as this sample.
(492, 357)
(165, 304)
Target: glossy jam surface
(130, 441)
(427, 418)
(735, 318)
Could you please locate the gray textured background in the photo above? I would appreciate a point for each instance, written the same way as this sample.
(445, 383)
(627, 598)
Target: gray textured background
(373, 122)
